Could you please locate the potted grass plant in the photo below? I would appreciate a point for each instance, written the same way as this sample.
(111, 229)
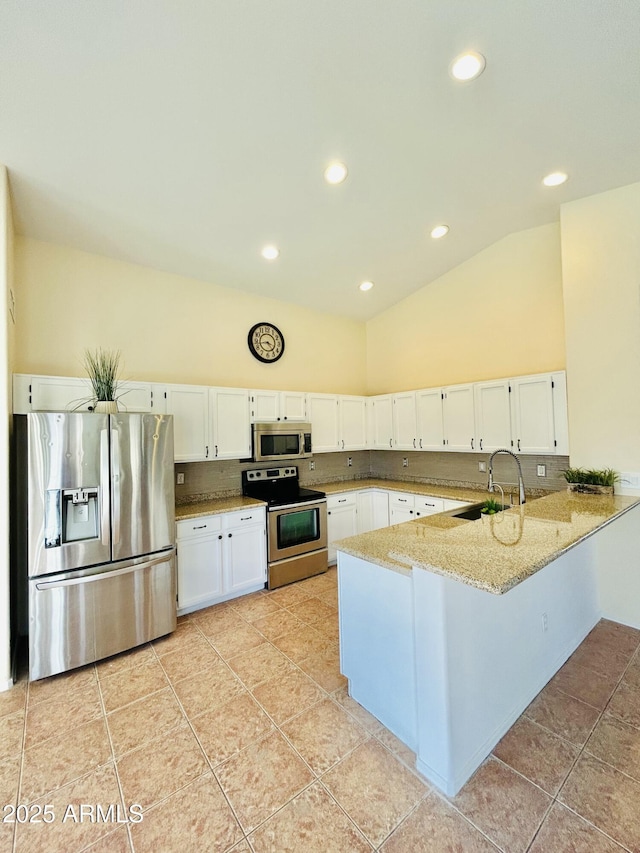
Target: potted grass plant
(591, 481)
(491, 507)
(103, 368)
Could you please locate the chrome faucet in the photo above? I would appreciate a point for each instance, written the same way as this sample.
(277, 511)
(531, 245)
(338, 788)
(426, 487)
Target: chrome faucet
(520, 480)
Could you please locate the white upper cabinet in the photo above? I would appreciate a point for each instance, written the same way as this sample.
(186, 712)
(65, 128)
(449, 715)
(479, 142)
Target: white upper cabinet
(230, 422)
(189, 405)
(532, 411)
(293, 406)
(278, 406)
(69, 393)
(405, 423)
(493, 415)
(458, 417)
(429, 416)
(353, 422)
(338, 422)
(324, 420)
(265, 406)
(560, 413)
(381, 422)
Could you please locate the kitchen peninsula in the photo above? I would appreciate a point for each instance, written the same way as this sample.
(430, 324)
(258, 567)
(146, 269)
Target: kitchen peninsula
(450, 628)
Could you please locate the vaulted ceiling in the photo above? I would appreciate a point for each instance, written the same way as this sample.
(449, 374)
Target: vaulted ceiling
(185, 135)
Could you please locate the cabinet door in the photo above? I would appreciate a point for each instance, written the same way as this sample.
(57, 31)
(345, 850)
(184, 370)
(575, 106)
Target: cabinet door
(353, 423)
(231, 423)
(405, 425)
(265, 406)
(342, 520)
(429, 417)
(245, 557)
(560, 413)
(199, 569)
(325, 428)
(381, 422)
(60, 394)
(493, 416)
(293, 406)
(458, 417)
(372, 510)
(533, 414)
(189, 405)
(136, 397)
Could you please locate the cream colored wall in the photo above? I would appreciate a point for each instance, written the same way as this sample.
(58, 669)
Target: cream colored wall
(6, 354)
(601, 274)
(170, 328)
(498, 314)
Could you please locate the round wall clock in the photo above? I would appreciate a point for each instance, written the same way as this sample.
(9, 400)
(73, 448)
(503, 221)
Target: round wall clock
(266, 342)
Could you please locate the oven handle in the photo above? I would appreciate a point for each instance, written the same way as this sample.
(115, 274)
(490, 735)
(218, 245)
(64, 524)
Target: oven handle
(308, 504)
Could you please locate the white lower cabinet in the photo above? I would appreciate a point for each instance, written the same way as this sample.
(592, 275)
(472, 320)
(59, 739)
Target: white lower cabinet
(220, 557)
(372, 509)
(342, 519)
(401, 507)
(245, 551)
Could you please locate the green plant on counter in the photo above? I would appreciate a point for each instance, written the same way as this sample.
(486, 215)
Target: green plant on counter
(103, 367)
(491, 507)
(591, 476)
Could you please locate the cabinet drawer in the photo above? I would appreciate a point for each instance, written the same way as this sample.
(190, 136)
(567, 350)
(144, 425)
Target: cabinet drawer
(345, 499)
(425, 505)
(449, 504)
(198, 526)
(399, 499)
(255, 515)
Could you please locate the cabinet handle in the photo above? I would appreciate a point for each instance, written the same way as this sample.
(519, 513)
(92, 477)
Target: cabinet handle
(428, 504)
(414, 444)
(342, 500)
(410, 512)
(420, 444)
(220, 536)
(472, 444)
(518, 444)
(216, 449)
(247, 518)
(229, 535)
(206, 452)
(417, 513)
(200, 527)
(343, 443)
(390, 442)
(480, 444)
(329, 512)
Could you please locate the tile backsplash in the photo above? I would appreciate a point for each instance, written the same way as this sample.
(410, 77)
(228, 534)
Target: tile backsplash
(223, 478)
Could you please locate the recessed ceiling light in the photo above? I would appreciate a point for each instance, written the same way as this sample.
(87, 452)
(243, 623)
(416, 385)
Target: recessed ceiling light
(468, 66)
(335, 173)
(366, 285)
(555, 179)
(270, 253)
(439, 231)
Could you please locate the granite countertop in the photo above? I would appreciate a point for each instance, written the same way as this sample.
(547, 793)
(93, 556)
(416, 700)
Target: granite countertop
(214, 506)
(495, 553)
(456, 493)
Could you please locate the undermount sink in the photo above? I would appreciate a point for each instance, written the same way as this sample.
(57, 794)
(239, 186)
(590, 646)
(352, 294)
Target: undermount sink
(474, 512)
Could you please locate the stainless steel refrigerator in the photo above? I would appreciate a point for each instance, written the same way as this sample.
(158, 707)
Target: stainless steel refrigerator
(94, 534)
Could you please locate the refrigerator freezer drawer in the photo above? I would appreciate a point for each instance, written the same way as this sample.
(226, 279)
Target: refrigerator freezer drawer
(74, 620)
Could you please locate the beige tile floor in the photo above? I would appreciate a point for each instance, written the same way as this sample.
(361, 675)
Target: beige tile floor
(237, 733)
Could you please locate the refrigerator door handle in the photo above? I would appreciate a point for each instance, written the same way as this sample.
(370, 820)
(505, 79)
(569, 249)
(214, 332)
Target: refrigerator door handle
(105, 533)
(115, 462)
(100, 576)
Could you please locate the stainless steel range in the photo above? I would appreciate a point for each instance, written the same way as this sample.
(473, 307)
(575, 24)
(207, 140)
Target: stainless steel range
(297, 524)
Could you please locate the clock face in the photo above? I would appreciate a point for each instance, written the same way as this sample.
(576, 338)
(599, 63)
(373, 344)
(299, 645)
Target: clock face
(266, 342)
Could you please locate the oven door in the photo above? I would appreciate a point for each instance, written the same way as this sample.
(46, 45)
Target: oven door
(297, 529)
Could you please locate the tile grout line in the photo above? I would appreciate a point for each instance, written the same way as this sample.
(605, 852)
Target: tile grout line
(14, 838)
(113, 756)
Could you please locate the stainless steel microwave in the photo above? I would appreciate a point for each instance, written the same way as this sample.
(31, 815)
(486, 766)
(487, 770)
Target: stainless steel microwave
(273, 441)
